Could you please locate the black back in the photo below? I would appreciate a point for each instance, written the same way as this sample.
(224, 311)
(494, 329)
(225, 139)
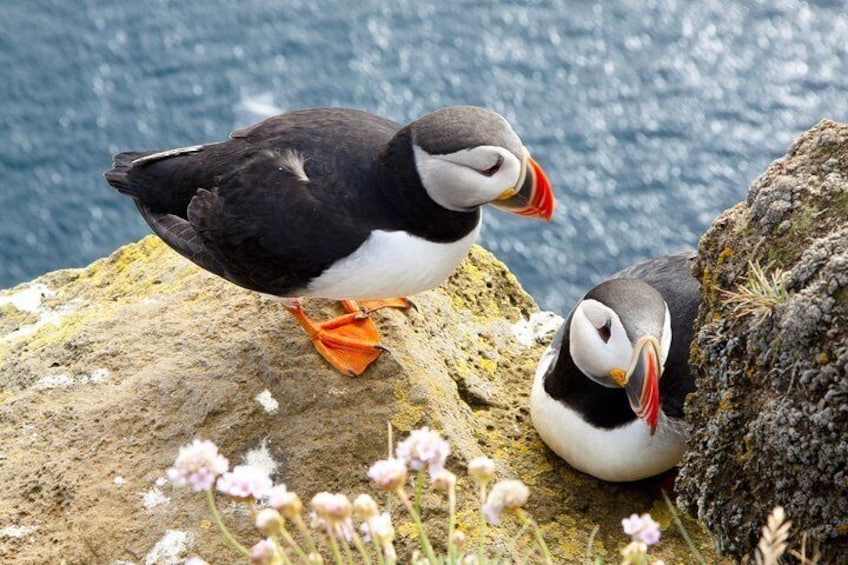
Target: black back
(671, 276)
(241, 210)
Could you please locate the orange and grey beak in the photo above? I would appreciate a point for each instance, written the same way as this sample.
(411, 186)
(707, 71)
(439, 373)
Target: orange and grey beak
(642, 381)
(532, 196)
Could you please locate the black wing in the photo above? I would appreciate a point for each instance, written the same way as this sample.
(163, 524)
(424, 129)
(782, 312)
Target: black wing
(271, 208)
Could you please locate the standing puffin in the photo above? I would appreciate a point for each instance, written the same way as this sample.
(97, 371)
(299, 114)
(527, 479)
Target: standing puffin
(608, 393)
(339, 204)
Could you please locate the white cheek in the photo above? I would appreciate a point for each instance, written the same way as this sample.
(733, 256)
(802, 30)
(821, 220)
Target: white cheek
(453, 183)
(665, 342)
(590, 353)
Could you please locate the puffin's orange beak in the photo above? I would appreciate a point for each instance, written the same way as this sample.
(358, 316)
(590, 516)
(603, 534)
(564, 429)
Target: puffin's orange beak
(534, 197)
(643, 382)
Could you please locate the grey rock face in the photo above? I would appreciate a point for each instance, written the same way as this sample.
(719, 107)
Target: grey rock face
(770, 418)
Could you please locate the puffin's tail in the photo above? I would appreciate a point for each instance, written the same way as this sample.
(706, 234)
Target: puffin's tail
(121, 164)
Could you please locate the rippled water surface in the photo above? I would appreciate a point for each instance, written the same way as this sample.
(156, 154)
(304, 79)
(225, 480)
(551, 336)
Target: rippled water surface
(650, 117)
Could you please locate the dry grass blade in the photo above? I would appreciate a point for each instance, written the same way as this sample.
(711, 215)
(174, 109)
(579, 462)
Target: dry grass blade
(759, 295)
(773, 540)
(802, 555)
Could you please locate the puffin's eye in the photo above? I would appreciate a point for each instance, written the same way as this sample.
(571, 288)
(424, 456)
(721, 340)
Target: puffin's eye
(494, 168)
(605, 331)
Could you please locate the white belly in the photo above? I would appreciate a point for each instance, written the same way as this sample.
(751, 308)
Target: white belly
(391, 264)
(626, 453)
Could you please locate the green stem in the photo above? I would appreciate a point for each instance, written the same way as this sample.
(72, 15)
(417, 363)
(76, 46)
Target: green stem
(346, 547)
(294, 545)
(482, 524)
(306, 533)
(377, 548)
(422, 535)
(683, 531)
(419, 489)
(540, 541)
(451, 521)
(595, 531)
(335, 547)
(216, 516)
(360, 547)
(283, 552)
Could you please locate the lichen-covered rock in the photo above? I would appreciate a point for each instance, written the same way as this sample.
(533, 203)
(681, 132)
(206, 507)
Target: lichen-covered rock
(770, 416)
(106, 371)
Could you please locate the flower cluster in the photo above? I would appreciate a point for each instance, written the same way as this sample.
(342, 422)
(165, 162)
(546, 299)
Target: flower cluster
(332, 513)
(388, 474)
(275, 509)
(245, 481)
(198, 465)
(642, 528)
(424, 448)
(643, 531)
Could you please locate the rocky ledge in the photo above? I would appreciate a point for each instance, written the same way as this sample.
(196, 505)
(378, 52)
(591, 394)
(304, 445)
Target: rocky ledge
(106, 371)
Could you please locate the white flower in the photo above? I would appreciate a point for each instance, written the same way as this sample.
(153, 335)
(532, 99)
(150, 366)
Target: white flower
(443, 480)
(269, 521)
(388, 474)
(634, 553)
(481, 470)
(379, 528)
(424, 448)
(505, 496)
(332, 514)
(195, 561)
(198, 464)
(285, 502)
(245, 481)
(364, 507)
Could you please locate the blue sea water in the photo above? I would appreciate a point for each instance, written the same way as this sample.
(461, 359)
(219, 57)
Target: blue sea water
(650, 116)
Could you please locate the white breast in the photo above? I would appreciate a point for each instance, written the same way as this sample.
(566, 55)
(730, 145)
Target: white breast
(391, 264)
(626, 453)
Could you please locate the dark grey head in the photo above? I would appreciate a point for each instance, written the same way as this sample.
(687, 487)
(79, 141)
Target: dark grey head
(456, 128)
(467, 156)
(619, 336)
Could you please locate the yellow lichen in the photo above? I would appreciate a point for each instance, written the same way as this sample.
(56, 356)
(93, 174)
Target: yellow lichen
(488, 365)
(725, 253)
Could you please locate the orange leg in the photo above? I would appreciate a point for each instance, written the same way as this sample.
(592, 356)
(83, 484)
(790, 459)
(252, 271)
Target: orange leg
(373, 305)
(349, 342)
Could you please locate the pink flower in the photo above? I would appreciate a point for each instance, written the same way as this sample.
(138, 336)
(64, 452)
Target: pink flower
(198, 464)
(245, 481)
(424, 448)
(263, 553)
(641, 528)
(388, 474)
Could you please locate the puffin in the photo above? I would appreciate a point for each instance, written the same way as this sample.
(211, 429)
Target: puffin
(608, 392)
(337, 204)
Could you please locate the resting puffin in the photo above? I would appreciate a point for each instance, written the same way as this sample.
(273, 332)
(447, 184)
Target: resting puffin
(339, 204)
(608, 393)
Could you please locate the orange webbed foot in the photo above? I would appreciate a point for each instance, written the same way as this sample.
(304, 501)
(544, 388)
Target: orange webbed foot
(349, 342)
(401, 302)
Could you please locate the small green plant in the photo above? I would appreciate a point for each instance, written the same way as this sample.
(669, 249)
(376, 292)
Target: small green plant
(759, 295)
